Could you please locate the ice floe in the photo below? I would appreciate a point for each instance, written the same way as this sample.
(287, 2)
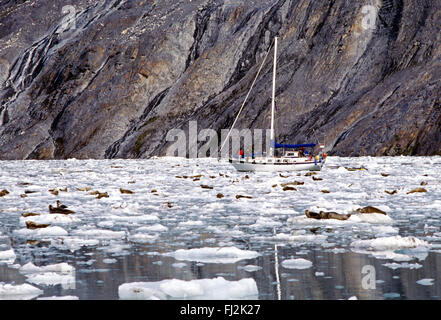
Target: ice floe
(142, 238)
(61, 273)
(48, 232)
(391, 243)
(109, 260)
(50, 219)
(426, 282)
(298, 263)
(73, 243)
(201, 289)
(375, 218)
(153, 228)
(249, 268)
(179, 265)
(213, 254)
(7, 256)
(59, 267)
(59, 298)
(300, 237)
(52, 278)
(394, 265)
(408, 248)
(265, 222)
(99, 234)
(191, 223)
(18, 292)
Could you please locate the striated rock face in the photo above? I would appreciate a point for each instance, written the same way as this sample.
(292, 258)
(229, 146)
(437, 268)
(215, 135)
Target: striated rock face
(106, 79)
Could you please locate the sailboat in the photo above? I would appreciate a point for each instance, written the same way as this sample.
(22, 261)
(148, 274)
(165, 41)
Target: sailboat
(296, 158)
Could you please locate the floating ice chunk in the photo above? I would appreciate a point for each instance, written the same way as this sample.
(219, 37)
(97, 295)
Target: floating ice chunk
(249, 268)
(109, 261)
(142, 238)
(61, 273)
(73, 244)
(381, 230)
(301, 237)
(213, 254)
(234, 232)
(216, 229)
(213, 206)
(18, 292)
(106, 224)
(59, 267)
(190, 223)
(436, 204)
(67, 281)
(179, 265)
(50, 219)
(100, 234)
(405, 265)
(264, 222)
(371, 218)
(40, 233)
(153, 228)
(338, 250)
(391, 243)
(141, 218)
(7, 256)
(299, 263)
(59, 298)
(388, 254)
(212, 289)
(179, 289)
(426, 282)
(353, 298)
(128, 208)
(115, 248)
(384, 248)
(303, 220)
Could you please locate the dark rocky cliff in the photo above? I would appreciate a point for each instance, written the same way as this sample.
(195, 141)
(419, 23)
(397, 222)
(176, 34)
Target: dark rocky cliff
(115, 80)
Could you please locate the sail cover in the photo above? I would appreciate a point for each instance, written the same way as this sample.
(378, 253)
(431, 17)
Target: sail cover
(308, 145)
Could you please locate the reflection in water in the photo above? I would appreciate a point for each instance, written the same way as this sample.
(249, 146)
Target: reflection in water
(332, 276)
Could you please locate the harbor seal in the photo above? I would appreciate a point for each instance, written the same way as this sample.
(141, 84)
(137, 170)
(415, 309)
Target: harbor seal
(326, 215)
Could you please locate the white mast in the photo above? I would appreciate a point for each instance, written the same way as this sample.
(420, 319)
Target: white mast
(273, 103)
(243, 104)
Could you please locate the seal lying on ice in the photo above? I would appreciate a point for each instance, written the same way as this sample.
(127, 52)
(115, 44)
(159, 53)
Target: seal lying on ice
(326, 215)
(60, 208)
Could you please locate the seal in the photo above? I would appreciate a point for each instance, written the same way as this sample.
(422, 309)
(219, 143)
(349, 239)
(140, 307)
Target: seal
(417, 190)
(370, 209)
(33, 225)
(60, 208)
(327, 215)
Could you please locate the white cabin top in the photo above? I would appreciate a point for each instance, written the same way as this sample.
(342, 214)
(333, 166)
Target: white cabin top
(293, 154)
